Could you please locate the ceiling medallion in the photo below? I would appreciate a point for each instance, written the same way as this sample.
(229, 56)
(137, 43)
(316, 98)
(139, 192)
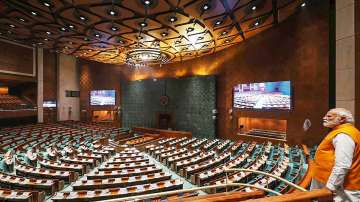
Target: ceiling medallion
(142, 57)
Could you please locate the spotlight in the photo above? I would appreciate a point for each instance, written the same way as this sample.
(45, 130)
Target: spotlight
(227, 41)
(143, 24)
(82, 18)
(46, 4)
(253, 8)
(172, 18)
(63, 29)
(12, 26)
(205, 7)
(112, 13)
(97, 35)
(190, 29)
(34, 13)
(224, 33)
(48, 33)
(303, 4)
(71, 26)
(22, 19)
(114, 29)
(147, 2)
(218, 22)
(256, 23)
(164, 34)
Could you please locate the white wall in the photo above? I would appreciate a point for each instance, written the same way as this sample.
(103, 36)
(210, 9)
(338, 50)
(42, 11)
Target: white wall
(68, 80)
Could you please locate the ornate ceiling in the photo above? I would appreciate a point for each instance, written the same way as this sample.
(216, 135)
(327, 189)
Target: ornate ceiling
(115, 31)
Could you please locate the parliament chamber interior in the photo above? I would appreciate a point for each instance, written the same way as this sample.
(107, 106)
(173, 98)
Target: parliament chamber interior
(171, 100)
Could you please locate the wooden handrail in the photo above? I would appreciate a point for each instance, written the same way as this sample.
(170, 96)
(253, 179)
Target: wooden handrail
(221, 197)
(321, 195)
(306, 181)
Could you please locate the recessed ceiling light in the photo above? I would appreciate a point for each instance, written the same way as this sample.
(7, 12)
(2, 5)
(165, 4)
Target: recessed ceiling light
(147, 2)
(172, 18)
(143, 24)
(205, 7)
(256, 23)
(71, 26)
(113, 28)
(253, 8)
(224, 33)
(200, 38)
(34, 13)
(9, 32)
(227, 41)
(177, 42)
(218, 22)
(46, 39)
(66, 47)
(120, 41)
(46, 4)
(97, 35)
(22, 19)
(63, 29)
(40, 43)
(164, 34)
(190, 29)
(82, 18)
(303, 4)
(86, 39)
(112, 12)
(49, 33)
(12, 26)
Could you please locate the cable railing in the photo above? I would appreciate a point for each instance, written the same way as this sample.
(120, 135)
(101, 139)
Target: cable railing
(226, 185)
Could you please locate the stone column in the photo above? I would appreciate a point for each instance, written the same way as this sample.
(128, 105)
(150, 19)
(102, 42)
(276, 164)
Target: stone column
(40, 82)
(345, 54)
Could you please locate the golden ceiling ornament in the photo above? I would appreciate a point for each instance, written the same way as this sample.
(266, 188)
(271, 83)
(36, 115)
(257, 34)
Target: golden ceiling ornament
(121, 31)
(141, 57)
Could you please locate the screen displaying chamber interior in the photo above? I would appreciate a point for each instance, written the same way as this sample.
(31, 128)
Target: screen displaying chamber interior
(265, 95)
(102, 97)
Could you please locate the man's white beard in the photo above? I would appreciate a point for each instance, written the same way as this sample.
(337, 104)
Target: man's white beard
(331, 124)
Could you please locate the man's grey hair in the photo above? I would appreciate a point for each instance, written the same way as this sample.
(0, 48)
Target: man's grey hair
(344, 113)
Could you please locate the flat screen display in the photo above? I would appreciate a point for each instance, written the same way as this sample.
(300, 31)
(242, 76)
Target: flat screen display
(49, 104)
(265, 95)
(102, 97)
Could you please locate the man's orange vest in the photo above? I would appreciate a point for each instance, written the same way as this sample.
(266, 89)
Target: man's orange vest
(325, 157)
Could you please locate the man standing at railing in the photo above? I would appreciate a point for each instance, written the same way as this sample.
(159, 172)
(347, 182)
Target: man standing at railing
(337, 159)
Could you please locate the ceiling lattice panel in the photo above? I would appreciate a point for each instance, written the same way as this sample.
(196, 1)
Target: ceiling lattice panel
(106, 31)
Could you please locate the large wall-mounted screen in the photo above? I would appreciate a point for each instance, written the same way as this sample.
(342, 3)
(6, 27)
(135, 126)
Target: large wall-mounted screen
(102, 97)
(265, 95)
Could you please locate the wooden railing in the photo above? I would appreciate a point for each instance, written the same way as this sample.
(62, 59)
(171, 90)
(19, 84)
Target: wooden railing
(163, 133)
(320, 195)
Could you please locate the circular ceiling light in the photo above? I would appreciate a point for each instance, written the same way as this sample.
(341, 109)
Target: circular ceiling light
(71, 26)
(12, 26)
(143, 24)
(82, 18)
(113, 28)
(190, 29)
(112, 13)
(47, 4)
(22, 19)
(253, 8)
(206, 7)
(48, 33)
(147, 2)
(224, 33)
(256, 23)
(218, 22)
(63, 29)
(34, 13)
(173, 19)
(97, 35)
(164, 34)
